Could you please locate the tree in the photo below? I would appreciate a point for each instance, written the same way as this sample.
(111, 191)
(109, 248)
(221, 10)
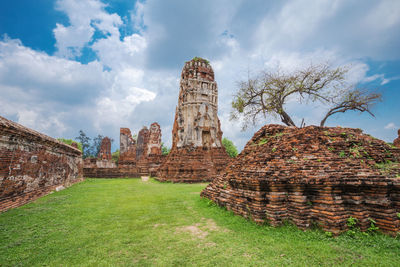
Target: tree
(115, 156)
(229, 147)
(84, 140)
(69, 142)
(267, 93)
(356, 99)
(95, 148)
(164, 150)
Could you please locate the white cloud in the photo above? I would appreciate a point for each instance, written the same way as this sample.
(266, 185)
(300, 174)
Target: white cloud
(85, 18)
(57, 94)
(391, 126)
(47, 92)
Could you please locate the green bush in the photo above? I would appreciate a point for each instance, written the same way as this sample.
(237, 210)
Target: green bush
(69, 142)
(229, 147)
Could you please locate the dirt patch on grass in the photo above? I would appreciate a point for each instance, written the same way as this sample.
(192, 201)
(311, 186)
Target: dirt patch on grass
(158, 225)
(194, 230)
(202, 229)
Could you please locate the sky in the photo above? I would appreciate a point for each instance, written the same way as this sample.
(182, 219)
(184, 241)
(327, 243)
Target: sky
(98, 65)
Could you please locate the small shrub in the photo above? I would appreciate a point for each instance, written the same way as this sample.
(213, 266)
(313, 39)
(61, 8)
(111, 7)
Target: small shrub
(329, 234)
(273, 149)
(372, 227)
(342, 154)
(352, 222)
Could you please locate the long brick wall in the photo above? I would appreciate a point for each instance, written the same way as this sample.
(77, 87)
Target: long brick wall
(313, 176)
(33, 164)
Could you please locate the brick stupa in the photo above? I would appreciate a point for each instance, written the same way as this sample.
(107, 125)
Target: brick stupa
(197, 153)
(313, 176)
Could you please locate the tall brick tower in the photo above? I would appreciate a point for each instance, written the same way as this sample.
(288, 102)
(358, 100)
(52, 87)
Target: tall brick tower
(197, 153)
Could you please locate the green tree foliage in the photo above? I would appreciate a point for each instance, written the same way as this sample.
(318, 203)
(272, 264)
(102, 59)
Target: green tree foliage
(84, 140)
(115, 156)
(69, 142)
(269, 92)
(95, 147)
(229, 147)
(164, 149)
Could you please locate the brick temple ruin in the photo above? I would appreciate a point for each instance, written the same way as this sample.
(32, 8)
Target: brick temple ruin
(137, 158)
(197, 153)
(313, 176)
(103, 159)
(396, 141)
(105, 149)
(33, 164)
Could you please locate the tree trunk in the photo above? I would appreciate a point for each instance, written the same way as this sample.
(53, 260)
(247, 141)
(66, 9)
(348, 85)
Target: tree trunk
(285, 118)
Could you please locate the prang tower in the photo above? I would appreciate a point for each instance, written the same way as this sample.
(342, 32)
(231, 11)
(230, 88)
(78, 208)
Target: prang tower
(197, 153)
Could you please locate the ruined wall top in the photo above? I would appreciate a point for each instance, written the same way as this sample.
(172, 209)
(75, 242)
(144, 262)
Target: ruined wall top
(17, 130)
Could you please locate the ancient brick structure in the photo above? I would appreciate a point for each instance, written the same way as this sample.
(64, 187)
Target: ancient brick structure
(313, 176)
(396, 141)
(127, 149)
(154, 143)
(142, 141)
(136, 158)
(197, 153)
(150, 156)
(33, 164)
(105, 149)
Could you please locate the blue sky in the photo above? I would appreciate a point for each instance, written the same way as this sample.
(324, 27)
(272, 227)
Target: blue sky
(99, 65)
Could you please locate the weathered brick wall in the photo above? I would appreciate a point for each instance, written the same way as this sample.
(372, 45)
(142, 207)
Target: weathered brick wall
(313, 176)
(32, 164)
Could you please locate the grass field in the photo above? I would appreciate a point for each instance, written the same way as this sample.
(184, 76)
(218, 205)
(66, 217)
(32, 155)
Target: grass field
(107, 222)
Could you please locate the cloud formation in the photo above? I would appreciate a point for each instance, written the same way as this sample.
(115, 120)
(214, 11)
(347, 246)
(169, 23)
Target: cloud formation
(134, 79)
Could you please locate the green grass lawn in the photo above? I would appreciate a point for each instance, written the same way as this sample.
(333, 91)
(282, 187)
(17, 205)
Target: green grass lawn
(128, 222)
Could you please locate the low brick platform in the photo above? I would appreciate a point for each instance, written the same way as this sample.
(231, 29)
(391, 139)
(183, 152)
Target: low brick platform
(313, 176)
(193, 165)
